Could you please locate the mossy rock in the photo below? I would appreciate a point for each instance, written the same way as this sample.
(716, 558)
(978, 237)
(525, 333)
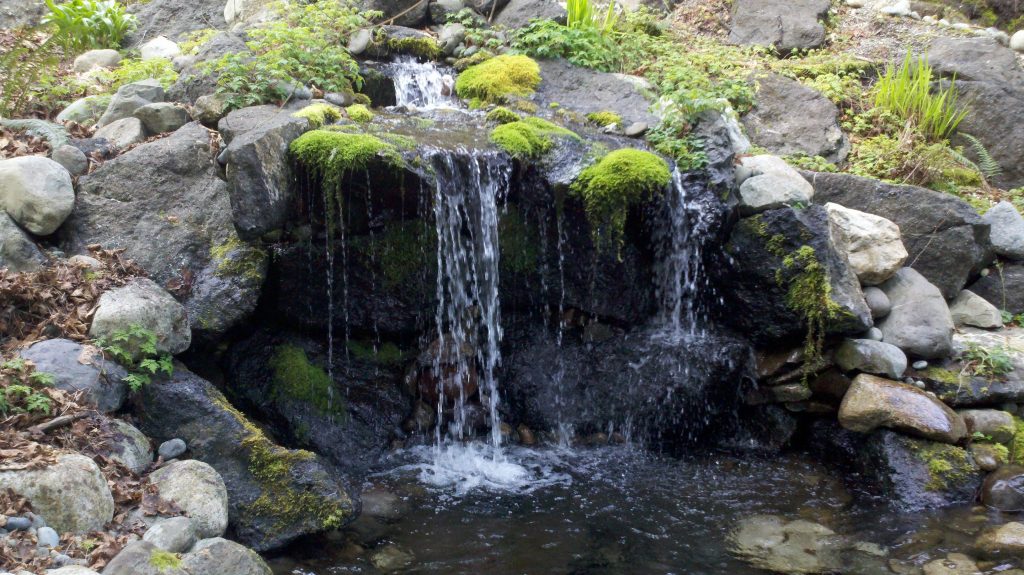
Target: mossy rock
(502, 115)
(528, 138)
(605, 118)
(330, 154)
(319, 114)
(499, 79)
(297, 379)
(359, 113)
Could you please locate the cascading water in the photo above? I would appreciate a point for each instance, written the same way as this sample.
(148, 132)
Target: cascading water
(421, 84)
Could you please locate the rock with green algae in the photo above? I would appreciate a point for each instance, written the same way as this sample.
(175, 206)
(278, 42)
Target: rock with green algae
(619, 180)
(502, 115)
(275, 495)
(529, 137)
(319, 114)
(605, 118)
(1005, 541)
(499, 79)
(298, 379)
(144, 558)
(359, 113)
(330, 154)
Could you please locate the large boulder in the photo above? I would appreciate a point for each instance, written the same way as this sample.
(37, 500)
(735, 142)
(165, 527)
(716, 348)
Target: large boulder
(275, 495)
(177, 226)
(790, 118)
(70, 494)
(977, 59)
(258, 167)
(871, 356)
(872, 243)
(873, 402)
(586, 91)
(760, 279)
(403, 12)
(958, 385)
(173, 18)
(80, 368)
(18, 253)
(145, 304)
(1007, 233)
(198, 490)
(1003, 287)
(920, 323)
(993, 107)
(947, 240)
(767, 183)
(36, 192)
(518, 13)
(195, 80)
(217, 555)
(784, 25)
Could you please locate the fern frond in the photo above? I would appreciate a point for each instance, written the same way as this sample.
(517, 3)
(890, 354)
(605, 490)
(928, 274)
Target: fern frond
(987, 165)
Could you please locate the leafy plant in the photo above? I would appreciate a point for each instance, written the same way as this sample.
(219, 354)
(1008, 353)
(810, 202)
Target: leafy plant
(907, 92)
(584, 14)
(22, 389)
(986, 164)
(990, 363)
(89, 24)
(33, 59)
(582, 46)
(135, 70)
(135, 349)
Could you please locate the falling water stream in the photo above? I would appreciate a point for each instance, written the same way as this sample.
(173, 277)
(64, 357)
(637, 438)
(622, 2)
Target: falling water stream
(422, 84)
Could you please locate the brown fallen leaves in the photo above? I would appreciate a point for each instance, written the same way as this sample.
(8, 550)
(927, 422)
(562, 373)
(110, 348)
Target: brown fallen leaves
(58, 300)
(15, 144)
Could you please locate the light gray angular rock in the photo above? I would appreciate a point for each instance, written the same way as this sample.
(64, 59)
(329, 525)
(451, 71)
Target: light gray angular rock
(162, 117)
(36, 192)
(80, 368)
(782, 24)
(123, 133)
(137, 558)
(105, 58)
(199, 490)
(160, 47)
(873, 402)
(131, 448)
(18, 253)
(968, 308)
(173, 534)
(1007, 230)
(790, 118)
(920, 323)
(131, 97)
(989, 422)
(768, 182)
(872, 243)
(451, 36)
(145, 304)
(871, 356)
(73, 159)
(359, 42)
(877, 301)
(219, 555)
(70, 494)
(86, 111)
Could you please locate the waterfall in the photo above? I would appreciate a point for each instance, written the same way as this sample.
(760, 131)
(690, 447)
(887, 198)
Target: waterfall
(468, 188)
(421, 84)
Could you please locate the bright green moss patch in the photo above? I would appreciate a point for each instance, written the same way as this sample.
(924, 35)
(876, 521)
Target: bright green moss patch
(605, 118)
(608, 188)
(1017, 444)
(941, 375)
(421, 47)
(809, 293)
(502, 115)
(297, 379)
(498, 79)
(400, 253)
(359, 113)
(235, 258)
(528, 138)
(164, 561)
(319, 114)
(385, 353)
(948, 465)
(329, 154)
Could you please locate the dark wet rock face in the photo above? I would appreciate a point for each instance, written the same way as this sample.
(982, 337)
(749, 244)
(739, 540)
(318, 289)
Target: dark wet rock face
(1003, 287)
(790, 118)
(585, 91)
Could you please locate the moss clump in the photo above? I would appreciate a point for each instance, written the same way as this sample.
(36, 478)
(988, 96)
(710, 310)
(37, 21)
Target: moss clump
(528, 138)
(468, 62)
(1001, 452)
(605, 118)
(421, 47)
(608, 188)
(297, 379)
(502, 115)
(164, 560)
(948, 465)
(386, 353)
(809, 293)
(498, 79)
(359, 113)
(1017, 443)
(400, 253)
(941, 375)
(319, 114)
(329, 154)
(361, 99)
(235, 258)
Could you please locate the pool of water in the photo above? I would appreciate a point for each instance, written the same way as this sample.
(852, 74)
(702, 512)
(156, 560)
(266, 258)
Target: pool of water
(610, 510)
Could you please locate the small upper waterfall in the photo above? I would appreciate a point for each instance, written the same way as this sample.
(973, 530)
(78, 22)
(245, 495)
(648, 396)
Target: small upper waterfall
(422, 84)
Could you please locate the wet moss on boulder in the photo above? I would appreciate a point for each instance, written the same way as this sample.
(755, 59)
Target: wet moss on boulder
(499, 79)
(528, 138)
(330, 154)
(298, 379)
(319, 115)
(502, 115)
(359, 113)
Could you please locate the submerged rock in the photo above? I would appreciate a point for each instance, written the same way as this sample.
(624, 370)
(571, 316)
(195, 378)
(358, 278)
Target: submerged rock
(1004, 489)
(1002, 542)
(873, 402)
(771, 543)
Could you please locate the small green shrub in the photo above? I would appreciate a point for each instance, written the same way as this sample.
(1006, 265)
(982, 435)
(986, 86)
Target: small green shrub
(135, 349)
(907, 92)
(585, 47)
(91, 23)
(499, 78)
(608, 188)
(196, 40)
(984, 362)
(583, 14)
(135, 70)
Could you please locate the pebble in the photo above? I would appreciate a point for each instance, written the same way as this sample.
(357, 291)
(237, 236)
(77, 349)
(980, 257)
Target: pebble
(921, 364)
(47, 537)
(172, 448)
(874, 334)
(635, 130)
(18, 523)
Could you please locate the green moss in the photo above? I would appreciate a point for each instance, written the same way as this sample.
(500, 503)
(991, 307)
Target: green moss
(400, 252)
(319, 114)
(1017, 443)
(605, 118)
(941, 375)
(362, 99)
(164, 561)
(359, 113)
(948, 465)
(330, 154)
(468, 62)
(499, 78)
(525, 106)
(502, 115)
(518, 239)
(528, 138)
(809, 294)
(1001, 452)
(297, 379)
(421, 47)
(235, 258)
(608, 188)
(385, 353)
